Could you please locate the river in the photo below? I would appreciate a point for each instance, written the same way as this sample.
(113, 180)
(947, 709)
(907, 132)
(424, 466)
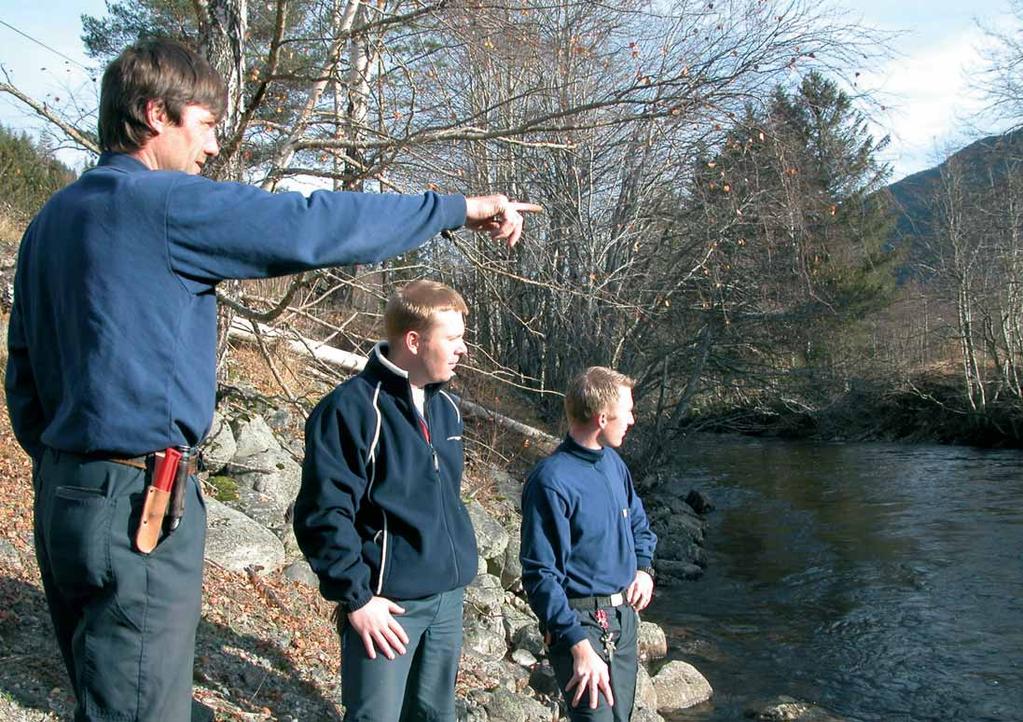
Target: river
(879, 581)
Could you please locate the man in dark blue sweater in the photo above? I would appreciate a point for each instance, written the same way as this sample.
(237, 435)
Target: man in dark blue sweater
(112, 357)
(587, 550)
(380, 516)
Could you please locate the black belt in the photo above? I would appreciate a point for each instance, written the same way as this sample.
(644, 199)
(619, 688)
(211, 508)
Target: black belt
(587, 603)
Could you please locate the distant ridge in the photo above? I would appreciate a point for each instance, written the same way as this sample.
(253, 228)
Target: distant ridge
(911, 195)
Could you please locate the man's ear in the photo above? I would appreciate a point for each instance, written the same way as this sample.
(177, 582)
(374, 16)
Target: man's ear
(602, 420)
(411, 339)
(156, 116)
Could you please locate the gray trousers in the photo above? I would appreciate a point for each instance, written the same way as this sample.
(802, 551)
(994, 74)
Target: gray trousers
(418, 686)
(125, 622)
(623, 622)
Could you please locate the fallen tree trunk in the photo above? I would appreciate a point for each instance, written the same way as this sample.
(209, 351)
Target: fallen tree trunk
(352, 363)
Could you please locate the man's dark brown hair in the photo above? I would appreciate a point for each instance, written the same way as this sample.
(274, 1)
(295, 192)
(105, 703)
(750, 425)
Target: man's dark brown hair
(160, 70)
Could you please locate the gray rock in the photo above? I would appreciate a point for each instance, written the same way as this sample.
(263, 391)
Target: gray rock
(700, 502)
(234, 541)
(491, 537)
(9, 554)
(511, 568)
(646, 715)
(505, 706)
(671, 572)
(513, 620)
(524, 658)
(530, 639)
(468, 709)
(278, 419)
(266, 495)
(300, 571)
(652, 642)
(681, 526)
(482, 619)
(681, 550)
(507, 486)
(219, 447)
(646, 693)
(786, 709)
(543, 680)
(680, 685)
(255, 438)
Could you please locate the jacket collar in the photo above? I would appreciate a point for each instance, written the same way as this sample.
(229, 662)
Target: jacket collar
(379, 368)
(571, 446)
(121, 161)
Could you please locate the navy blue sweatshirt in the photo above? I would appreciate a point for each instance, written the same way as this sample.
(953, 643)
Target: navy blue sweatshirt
(584, 533)
(380, 509)
(113, 333)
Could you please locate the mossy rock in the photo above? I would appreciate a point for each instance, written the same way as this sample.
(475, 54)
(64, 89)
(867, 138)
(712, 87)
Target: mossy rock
(223, 488)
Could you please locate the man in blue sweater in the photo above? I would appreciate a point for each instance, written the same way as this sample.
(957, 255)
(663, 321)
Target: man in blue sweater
(112, 357)
(380, 516)
(587, 550)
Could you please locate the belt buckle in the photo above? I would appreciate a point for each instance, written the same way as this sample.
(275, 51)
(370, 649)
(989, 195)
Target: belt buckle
(617, 599)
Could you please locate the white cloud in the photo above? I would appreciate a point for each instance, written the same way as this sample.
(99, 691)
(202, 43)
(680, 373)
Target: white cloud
(930, 101)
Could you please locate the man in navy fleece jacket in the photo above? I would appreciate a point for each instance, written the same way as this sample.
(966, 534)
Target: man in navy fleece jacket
(380, 515)
(112, 357)
(587, 550)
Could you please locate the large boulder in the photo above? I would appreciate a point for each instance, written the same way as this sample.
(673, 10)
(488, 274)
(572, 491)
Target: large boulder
(646, 695)
(254, 438)
(508, 487)
(482, 620)
(220, 447)
(235, 542)
(505, 706)
(680, 685)
(670, 572)
(681, 550)
(700, 502)
(652, 642)
(511, 568)
(491, 537)
(267, 486)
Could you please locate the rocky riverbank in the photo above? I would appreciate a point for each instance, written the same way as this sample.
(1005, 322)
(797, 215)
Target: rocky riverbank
(266, 648)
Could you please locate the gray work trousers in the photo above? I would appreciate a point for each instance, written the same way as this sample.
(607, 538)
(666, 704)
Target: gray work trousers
(418, 686)
(125, 621)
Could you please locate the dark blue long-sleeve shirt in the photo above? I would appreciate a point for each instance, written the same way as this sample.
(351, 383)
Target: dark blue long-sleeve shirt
(584, 533)
(113, 333)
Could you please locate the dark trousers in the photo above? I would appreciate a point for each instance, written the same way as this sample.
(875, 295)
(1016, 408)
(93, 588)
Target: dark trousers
(125, 622)
(623, 623)
(417, 686)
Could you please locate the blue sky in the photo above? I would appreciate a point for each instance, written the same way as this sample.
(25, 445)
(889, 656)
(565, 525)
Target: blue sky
(928, 106)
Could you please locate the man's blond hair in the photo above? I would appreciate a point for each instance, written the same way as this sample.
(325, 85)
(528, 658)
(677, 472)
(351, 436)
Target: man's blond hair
(594, 392)
(412, 306)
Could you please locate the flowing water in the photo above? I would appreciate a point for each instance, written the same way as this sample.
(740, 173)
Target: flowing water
(881, 582)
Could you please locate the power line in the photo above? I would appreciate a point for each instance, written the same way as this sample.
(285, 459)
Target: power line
(41, 43)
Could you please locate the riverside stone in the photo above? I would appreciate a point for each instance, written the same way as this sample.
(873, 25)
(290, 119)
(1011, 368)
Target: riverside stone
(505, 706)
(491, 538)
(220, 446)
(235, 541)
(700, 502)
(646, 693)
(680, 685)
(301, 572)
(671, 572)
(511, 568)
(652, 642)
(266, 495)
(482, 619)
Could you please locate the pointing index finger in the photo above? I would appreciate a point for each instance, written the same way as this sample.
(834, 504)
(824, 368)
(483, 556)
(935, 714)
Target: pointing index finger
(526, 207)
